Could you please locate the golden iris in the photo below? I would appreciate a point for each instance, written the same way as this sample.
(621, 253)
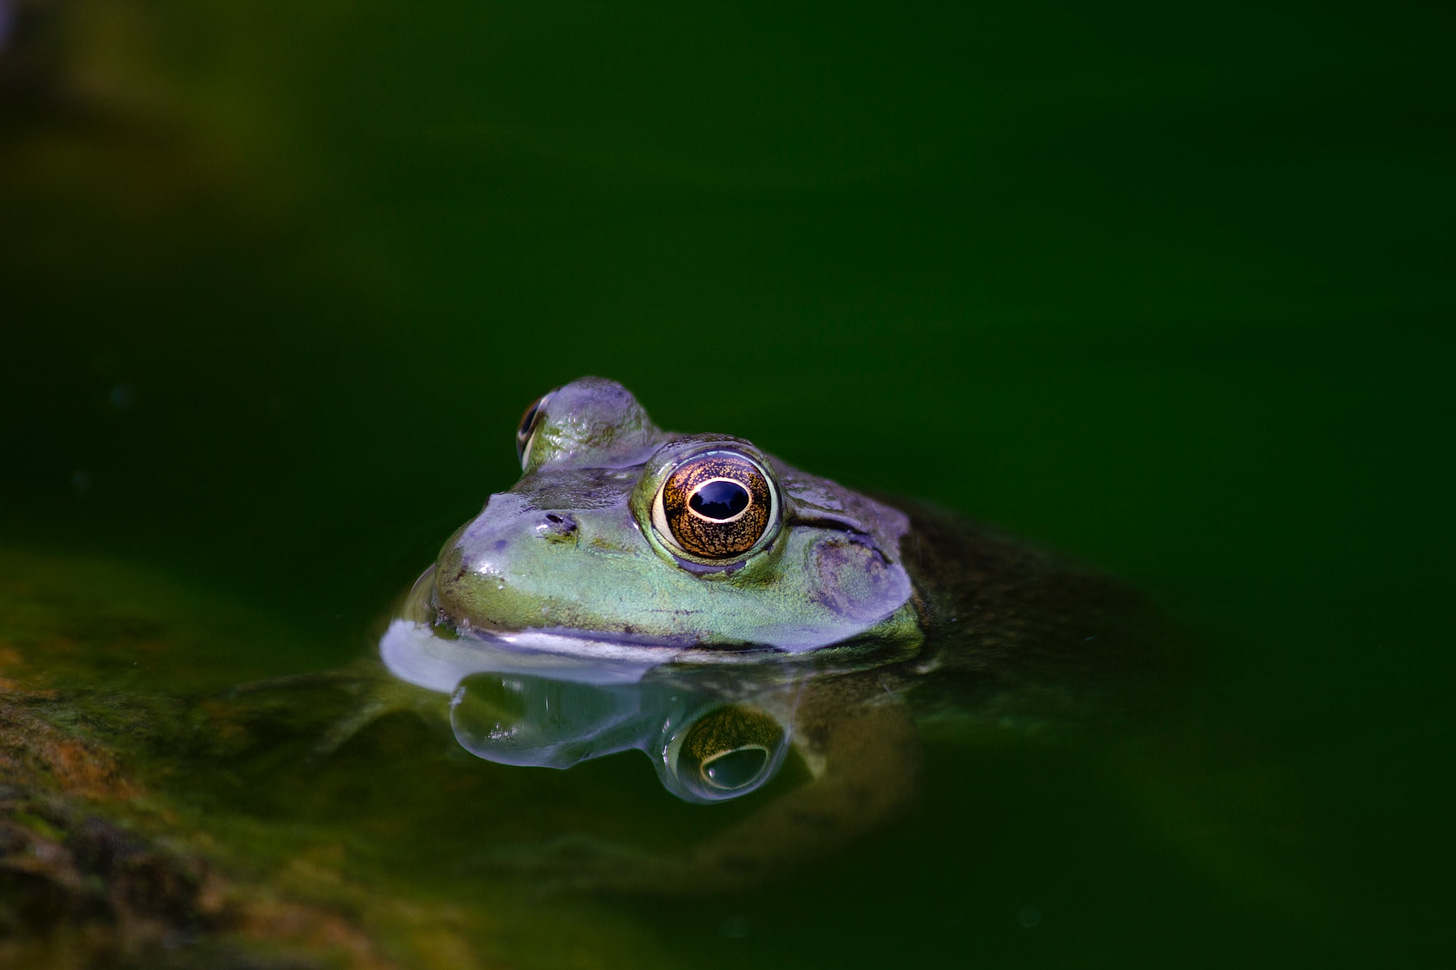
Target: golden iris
(716, 505)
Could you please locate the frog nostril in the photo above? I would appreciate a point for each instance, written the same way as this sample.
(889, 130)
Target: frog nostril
(559, 524)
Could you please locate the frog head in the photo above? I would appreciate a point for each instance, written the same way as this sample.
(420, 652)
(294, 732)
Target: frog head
(621, 533)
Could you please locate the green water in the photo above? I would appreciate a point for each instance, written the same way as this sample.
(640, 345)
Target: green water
(1169, 290)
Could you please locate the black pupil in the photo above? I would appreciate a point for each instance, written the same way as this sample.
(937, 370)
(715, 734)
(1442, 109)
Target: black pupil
(719, 500)
(736, 768)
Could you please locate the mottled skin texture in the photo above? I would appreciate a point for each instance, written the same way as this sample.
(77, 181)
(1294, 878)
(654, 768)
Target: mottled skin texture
(894, 618)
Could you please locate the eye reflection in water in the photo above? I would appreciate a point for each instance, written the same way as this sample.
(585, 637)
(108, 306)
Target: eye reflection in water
(704, 750)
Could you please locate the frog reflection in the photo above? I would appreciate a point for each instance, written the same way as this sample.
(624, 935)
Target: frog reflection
(704, 750)
(698, 599)
(708, 741)
(711, 734)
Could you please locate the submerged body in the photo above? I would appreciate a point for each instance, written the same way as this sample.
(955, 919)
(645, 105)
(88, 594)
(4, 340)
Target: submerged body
(712, 606)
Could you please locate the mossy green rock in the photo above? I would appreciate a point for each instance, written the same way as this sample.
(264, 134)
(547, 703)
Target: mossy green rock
(153, 815)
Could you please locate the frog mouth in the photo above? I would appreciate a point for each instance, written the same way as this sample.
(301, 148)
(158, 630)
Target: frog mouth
(422, 609)
(595, 645)
(418, 654)
(424, 646)
(438, 658)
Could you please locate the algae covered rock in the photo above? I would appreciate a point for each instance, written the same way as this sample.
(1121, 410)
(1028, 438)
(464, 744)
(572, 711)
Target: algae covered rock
(153, 815)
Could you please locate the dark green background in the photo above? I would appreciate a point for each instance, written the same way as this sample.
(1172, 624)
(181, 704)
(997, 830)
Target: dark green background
(1168, 287)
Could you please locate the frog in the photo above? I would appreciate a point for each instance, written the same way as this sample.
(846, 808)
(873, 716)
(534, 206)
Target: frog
(700, 599)
(619, 532)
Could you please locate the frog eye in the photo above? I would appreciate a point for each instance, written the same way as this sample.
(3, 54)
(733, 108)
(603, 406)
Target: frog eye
(530, 421)
(728, 752)
(715, 505)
